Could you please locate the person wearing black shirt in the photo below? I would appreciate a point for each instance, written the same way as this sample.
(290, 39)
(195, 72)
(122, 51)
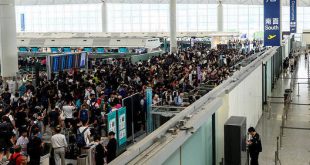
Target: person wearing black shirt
(20, 119)
(99, 151)
(34, 148)
(111, 147)
(255, 146)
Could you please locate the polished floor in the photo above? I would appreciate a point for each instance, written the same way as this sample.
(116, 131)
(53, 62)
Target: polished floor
(295, 148)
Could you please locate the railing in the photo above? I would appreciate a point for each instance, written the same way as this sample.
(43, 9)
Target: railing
(209, 100)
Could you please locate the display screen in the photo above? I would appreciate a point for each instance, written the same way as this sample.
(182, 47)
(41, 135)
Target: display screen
(70, 61)
(83, 60)
(67, 50)
(63, 62)
(87, 49)
(54, 50)
(22, 49)
(55, 63)
(122, 50)
(100, 50)
(34, 49)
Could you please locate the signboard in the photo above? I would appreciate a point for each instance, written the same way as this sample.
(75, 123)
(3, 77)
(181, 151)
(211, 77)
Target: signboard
(149, 109)
(293, 16)
(22, 22)
(112, 122)
(272, 22)
(122, 136)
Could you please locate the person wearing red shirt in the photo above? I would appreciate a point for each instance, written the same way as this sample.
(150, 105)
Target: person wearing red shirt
(17, 155)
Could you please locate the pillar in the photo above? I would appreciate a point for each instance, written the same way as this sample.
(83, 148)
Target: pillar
(104, 17)
(220, 19)
(173, 27)
(8, 48)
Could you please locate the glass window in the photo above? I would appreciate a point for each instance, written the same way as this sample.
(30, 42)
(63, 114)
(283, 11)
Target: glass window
(60, 18)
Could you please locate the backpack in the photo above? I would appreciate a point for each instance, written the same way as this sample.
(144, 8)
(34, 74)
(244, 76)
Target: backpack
(80, 140)
(13, 161)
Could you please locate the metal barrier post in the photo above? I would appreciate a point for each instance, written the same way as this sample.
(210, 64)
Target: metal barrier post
(275, 158)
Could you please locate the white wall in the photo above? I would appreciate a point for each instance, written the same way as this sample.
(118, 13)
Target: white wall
(246, 98)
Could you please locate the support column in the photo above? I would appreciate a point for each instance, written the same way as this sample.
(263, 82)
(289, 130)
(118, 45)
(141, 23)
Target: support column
(220, 20)
(104, 17)
(8, 47)
(173, 27)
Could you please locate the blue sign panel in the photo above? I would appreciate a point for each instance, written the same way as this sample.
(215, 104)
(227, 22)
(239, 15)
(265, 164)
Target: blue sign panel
(149, 109)
(22, 22)
(272, 23)
(293, 16)
(122, 136)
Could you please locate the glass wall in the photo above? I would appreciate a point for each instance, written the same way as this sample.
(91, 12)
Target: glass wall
(246, 19)
(197, 149)
(155, 17)
(138, 17)
(60, 18)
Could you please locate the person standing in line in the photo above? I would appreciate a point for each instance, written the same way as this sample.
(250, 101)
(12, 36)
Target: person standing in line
(255, 145)
(34, 148)
(23, 141)
(68, 113)
(59, 144)
(111, 147)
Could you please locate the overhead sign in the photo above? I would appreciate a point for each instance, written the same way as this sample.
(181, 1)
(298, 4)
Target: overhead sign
(272, 22)
(122, 136)
(293, 16)
(22, 22)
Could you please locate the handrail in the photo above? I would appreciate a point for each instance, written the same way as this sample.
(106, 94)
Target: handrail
(223, 88)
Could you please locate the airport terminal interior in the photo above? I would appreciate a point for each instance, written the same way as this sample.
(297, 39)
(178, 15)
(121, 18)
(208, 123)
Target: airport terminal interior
(154, 82)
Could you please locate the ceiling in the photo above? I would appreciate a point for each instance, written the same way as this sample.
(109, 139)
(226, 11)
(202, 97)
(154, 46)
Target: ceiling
(245, 2)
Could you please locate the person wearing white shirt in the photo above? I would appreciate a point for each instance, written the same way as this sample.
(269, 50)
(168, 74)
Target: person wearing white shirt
(59, 144)
(86, 133)
(68, 113)
(23, 141)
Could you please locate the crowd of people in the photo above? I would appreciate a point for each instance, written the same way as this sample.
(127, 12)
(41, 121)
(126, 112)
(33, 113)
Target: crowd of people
(75, 102)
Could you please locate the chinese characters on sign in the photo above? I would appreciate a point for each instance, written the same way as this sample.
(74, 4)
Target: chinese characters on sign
(272, 23)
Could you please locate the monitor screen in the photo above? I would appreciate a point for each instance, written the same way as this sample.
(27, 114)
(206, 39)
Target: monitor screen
(22, 49)
(88, 49)
(63, 62)
(34, 49)
(67, 50)
(83, 60)
(55, 64)
(100, 50)
(70, 61)
(122, 50)
(54, 50)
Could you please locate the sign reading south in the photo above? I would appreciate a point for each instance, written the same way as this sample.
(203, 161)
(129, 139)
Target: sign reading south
(272, 23)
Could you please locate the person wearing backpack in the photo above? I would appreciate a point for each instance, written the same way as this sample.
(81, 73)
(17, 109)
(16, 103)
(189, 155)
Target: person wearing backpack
(255, 145)
(83, 136)
(16, 158)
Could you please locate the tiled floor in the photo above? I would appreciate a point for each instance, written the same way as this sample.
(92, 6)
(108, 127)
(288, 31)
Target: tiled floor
(295, 148)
